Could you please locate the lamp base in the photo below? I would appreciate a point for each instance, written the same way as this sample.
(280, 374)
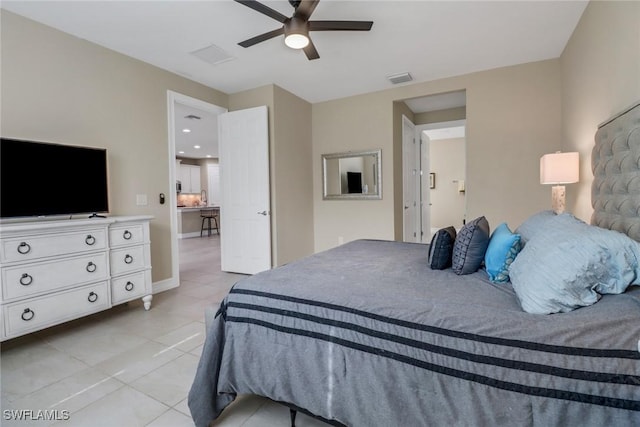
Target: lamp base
(557, 199)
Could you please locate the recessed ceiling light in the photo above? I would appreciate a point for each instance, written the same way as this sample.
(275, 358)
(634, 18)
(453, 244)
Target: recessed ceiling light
(209, 155)
(197, 147)
(185, 130)
(180, 152)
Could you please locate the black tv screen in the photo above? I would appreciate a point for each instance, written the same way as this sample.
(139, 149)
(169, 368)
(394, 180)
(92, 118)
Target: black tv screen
(44, 179)
(354, 182)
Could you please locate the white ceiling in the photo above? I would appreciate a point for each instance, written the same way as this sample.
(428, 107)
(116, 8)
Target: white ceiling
(429, 39)
(203, 133)
(446, 133)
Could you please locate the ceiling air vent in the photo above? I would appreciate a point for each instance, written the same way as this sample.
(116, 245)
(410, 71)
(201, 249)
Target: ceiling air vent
(400, 78)
(192, 117)
(212, 54)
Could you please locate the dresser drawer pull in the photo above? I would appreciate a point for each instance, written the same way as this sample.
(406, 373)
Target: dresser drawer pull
(27, 314)
(128, 259)
(26, 279)
(90, 240)
(24, 248)
(129, 286)
(93, 297)
(91, 267)
(127, 235)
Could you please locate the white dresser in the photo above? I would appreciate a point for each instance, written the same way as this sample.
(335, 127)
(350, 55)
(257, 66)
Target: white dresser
(55, 271)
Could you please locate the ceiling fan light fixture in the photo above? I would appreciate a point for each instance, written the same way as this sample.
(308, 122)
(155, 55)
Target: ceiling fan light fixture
(296, 28)
(296, 41)
(296, 33)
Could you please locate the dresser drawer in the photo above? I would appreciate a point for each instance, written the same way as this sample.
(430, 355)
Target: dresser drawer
(131, 234)
(37, 313)
(46, 276)
(45, 245)
(126, 288)
(127, 260)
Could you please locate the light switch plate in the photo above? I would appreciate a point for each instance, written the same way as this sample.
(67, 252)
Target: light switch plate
(141, 200)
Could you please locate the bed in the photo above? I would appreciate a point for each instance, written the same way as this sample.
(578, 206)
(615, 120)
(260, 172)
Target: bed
(367, 334)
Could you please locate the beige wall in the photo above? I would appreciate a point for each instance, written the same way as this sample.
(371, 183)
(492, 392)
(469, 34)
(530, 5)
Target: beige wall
(59, 88)
(439, 116)
(513, 118)
(290, 163)
(600, 76)
(447, 161)
(293, 185)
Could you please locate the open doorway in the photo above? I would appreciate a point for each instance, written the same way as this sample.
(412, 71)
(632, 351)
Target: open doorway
(446, 142)
(434, 164)
(193, 156)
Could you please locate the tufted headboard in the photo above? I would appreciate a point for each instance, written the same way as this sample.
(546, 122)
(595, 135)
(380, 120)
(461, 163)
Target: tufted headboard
(615, 161)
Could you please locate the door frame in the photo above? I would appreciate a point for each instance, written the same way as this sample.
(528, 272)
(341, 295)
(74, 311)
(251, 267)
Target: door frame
(419, 131)
(410, 181)
(172, 99)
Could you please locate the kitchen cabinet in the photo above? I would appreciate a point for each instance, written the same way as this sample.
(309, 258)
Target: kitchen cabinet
(190, 178)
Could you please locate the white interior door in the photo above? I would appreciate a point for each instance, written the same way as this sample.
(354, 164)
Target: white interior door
(245, 236)
(425, 187)
(410, 178)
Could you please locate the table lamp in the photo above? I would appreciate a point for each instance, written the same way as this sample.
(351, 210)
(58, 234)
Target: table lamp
(557, 169)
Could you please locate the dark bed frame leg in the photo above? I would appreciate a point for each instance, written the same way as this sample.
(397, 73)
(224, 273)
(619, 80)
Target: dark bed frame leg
(293, 414)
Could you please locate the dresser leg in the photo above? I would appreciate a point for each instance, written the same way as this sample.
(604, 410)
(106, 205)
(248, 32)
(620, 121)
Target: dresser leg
(147, 301)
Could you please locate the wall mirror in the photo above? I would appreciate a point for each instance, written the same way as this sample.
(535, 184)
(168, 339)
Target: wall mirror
(353, 175)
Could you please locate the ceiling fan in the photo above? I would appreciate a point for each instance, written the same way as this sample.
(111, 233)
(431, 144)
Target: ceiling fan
(296, 28)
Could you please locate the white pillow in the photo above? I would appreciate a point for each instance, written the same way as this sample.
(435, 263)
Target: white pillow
(568, 264)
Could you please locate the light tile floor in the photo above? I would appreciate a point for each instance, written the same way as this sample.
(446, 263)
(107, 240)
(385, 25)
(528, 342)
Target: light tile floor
(128, 367)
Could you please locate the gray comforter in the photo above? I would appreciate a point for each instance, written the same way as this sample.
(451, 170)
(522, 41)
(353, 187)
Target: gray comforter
(368, 335)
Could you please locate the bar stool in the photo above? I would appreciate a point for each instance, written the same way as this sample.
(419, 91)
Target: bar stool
(207, 216)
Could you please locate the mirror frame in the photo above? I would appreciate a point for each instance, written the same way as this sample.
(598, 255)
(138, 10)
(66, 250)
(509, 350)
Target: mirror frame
(353, 196)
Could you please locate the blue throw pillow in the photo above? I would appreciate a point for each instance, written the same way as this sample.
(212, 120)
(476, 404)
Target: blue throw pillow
(503, 248)
(441, 248)
(569, 264)
(470, 246)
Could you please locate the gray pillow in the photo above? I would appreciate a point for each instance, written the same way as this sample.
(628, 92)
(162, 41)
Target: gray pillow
(441, 248)
(533, 224)
(470, 246)
(569, 264)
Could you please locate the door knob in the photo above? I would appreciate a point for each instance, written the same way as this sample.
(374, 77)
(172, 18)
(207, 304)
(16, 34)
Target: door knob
(264, 213)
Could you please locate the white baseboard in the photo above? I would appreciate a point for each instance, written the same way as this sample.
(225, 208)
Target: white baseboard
(165, 285)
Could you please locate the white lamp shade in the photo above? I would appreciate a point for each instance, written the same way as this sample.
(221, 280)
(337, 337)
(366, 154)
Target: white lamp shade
(559, 168)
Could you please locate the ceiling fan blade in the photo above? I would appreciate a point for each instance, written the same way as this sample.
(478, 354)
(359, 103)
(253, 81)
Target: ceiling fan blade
(310, 51)
(340, 25)
(306, 8)
(262, 37)
(265, 10)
